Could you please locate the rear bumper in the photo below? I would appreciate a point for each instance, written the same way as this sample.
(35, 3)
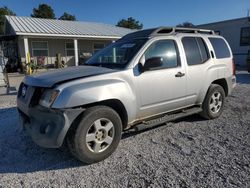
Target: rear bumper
(231, 82)
(48, 127)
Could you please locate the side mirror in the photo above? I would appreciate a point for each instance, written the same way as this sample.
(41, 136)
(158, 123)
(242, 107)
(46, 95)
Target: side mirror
(153, 62)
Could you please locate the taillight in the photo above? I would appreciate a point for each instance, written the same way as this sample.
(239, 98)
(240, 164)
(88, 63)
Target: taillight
(234, 68)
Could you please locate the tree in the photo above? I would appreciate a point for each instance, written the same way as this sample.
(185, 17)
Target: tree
(4, 11)
(67, 16)
(130, 23)
(43, 11)
(186, 24)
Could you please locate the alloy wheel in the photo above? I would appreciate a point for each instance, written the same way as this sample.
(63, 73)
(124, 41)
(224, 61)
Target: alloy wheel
(215, 103)
(100, 135)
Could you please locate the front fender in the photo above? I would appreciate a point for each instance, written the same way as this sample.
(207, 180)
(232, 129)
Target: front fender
(96, 91)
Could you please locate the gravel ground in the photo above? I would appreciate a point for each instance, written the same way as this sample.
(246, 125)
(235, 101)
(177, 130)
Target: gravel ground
(190, 152)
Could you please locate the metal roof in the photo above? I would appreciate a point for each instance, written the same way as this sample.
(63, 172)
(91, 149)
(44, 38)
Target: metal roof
(29, 26)
(225, 21)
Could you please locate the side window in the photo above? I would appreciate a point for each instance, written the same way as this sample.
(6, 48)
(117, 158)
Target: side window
(203, 49)
(166, 49)
(196, 50)
(220, 48)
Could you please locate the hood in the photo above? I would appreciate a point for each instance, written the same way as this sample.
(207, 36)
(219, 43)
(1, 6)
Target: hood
(50, 78)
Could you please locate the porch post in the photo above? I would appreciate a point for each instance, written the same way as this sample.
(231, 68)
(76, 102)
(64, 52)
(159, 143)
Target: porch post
(26, 49)
(114, 53)
(76, 52)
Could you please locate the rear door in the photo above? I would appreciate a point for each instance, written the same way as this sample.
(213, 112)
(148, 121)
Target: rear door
(198, 63)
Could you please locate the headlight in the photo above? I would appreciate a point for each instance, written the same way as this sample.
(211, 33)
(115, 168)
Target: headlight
(48, 97)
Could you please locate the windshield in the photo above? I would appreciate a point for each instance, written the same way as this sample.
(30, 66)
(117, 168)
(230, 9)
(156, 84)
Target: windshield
(116, 55)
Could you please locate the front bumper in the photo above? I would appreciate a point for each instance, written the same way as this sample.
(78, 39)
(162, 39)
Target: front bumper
(47, 127)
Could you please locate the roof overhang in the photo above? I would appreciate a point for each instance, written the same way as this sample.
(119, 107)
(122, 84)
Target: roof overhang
(45, 35)
(50, 28)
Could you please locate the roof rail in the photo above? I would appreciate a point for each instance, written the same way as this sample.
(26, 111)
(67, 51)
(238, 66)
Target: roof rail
(174, 30)
(160, 31)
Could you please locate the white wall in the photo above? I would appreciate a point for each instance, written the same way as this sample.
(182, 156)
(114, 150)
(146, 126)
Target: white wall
(58, 46)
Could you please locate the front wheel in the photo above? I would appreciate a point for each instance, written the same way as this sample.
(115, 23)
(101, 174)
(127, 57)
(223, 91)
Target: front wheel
(214, 102)
(97, 135)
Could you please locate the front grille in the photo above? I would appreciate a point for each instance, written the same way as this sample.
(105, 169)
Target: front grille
(25, 96)
(36, 96)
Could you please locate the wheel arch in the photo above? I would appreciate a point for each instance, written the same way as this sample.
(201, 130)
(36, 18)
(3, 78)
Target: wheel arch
(118, 106)
(223, 83)
(115, 104)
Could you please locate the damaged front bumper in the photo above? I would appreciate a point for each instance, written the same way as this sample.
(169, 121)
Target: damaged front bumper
(47, 127)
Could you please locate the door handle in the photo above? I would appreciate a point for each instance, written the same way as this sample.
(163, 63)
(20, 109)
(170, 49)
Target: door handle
(180, 74)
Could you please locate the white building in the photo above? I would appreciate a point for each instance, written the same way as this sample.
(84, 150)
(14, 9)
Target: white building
(237, 33)
(43, 39)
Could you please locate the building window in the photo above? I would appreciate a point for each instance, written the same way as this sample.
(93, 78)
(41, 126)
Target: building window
(69, 47)
(40, 48)
(97, 47)
(245, 36)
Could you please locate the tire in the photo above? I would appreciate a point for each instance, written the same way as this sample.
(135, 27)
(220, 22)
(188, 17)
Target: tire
(96, 136)
(213, 103)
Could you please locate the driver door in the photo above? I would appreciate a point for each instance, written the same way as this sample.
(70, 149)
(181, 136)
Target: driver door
(162, 88)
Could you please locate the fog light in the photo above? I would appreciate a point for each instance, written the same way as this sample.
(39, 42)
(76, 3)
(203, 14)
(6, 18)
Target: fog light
(44, 129)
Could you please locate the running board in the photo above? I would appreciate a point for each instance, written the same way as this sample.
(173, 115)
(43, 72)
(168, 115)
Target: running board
(166, 118)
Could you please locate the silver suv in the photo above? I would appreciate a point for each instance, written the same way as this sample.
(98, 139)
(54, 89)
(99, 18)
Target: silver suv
(144, 79)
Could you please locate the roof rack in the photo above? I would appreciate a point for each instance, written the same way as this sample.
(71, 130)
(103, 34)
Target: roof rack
(160, 31)
(174, 30)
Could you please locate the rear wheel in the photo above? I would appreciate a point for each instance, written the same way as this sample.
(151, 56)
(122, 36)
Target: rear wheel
(97, 135)
(214, 102)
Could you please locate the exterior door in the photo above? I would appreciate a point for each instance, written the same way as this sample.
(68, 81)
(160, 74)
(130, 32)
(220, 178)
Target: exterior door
(198, 64)
(163, 88)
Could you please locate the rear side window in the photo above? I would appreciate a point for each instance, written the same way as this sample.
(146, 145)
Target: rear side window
(220, 48)
(196, 50)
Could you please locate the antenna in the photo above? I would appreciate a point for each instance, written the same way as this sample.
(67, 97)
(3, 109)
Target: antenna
(248, 14)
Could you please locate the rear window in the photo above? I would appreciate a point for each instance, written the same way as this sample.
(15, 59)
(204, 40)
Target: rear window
(220, 48)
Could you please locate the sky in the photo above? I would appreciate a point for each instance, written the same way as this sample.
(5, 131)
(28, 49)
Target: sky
(151, 13)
